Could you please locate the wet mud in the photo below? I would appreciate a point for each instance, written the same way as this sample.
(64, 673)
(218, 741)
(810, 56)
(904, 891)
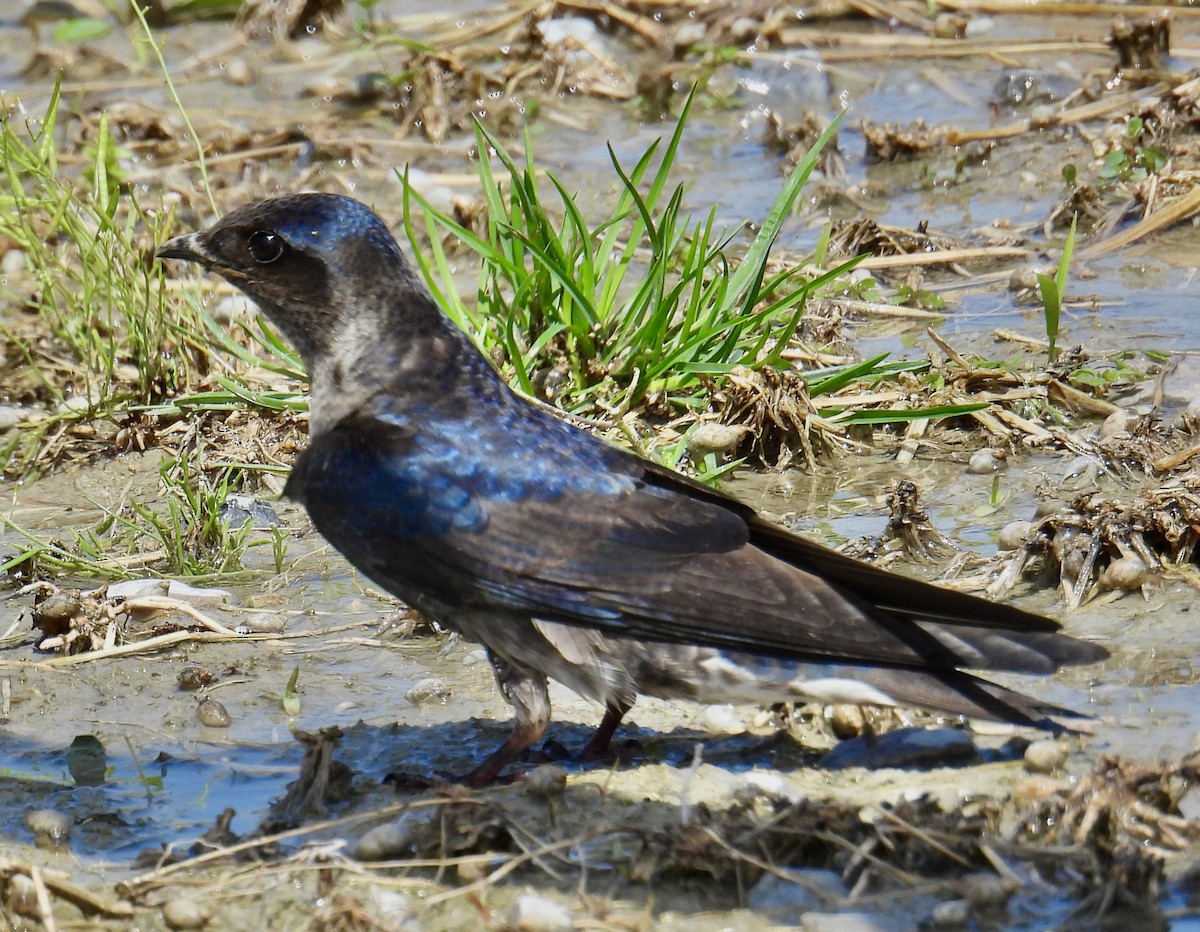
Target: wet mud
(320, 793)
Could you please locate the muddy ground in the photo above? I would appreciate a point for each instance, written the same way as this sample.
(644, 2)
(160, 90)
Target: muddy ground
(127, 800)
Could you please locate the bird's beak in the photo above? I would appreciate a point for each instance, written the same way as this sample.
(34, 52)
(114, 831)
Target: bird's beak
(185, 247)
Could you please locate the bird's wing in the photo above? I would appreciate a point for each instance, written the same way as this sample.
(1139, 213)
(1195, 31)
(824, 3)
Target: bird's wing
(635, 550)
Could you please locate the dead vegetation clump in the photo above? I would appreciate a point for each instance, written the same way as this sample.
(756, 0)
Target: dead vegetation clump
(292, 18)
(1098, 544)
(781, 420)
(864, 235)
(1116, 826)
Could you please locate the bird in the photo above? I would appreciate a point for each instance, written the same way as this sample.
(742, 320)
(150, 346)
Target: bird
(565, 556)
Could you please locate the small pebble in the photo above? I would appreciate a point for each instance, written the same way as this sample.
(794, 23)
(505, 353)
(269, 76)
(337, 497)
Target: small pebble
(263, 623)
(51, 828)
(22, 896)
(547, 781)
(688, 34)
(393, 839)
(470, 871)
(953, 914)
(1025, 278)
(239, 73)
(396, 910)
(987, 461)
(12, 415)
(743, 29)
(475, 657)
(950, 26)
(847, 721)
(182, 913)
(762, 785)
(432, 188)
(1118, 422)
(240, 510)
(1014, 534)
(14, 261)
(74, 403)
(711, 437)
(987, 891)
(1125, 573)
(213, 714)
(533, 913)
(426, 689)
(1045, 756)
(721, 719)
(979, 26)
(578, 29)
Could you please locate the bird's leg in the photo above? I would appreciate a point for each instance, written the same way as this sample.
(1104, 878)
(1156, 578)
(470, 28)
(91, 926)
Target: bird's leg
(598, 746)
(525, 690)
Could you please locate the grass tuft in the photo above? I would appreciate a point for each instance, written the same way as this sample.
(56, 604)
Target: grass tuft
(645, 305)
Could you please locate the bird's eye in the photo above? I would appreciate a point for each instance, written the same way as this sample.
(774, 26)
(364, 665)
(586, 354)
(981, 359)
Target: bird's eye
(265, 247)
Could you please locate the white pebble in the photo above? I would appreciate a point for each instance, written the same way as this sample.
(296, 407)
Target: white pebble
(578, 29)
(1118, 422)
(74, 403)
(979, 26)
(183, 913)
(533, 913)
(953, 914)
(14, 261)
(711, 437)
(1014, 534)
(392, 839)
(51, 828)
(987, 891)
(1045, 756)
(721, 719)
(987, 461)
(687, 35)
(426, 689)
(11, 416)
(1125, 573)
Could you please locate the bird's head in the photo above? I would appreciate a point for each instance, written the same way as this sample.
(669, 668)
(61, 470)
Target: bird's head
(307, 260)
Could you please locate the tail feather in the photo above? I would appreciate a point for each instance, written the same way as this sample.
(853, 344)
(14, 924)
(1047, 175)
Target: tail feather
(964, 694)
(1014, 651)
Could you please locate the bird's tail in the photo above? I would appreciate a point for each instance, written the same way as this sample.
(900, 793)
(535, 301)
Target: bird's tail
(963, 694)
(1018, 651)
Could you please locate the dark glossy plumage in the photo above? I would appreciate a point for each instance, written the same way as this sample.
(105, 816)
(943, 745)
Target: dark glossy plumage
(564, 556)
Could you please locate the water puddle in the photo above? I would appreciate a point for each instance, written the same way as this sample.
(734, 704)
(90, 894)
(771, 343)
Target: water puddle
(116, 746)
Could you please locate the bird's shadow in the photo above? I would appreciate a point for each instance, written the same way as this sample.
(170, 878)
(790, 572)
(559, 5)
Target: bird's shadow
(413, 754)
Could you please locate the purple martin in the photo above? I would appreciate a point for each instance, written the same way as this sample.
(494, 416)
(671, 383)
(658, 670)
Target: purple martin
(564, 556)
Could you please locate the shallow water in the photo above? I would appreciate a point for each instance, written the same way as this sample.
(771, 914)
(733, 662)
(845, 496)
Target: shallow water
(1146, 699)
